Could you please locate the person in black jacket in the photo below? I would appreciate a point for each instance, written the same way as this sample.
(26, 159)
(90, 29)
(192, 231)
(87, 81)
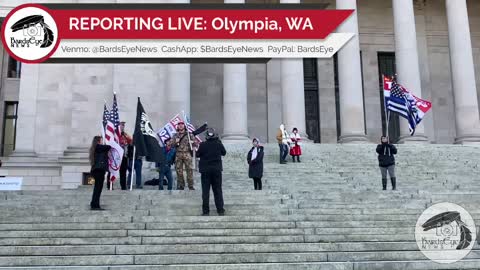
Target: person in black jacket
(386, 160)
(210, 153)
(99, 162)
(255, 164)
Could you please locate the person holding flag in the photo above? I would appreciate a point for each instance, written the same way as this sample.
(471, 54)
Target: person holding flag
(386, 161)
(145, 141)
(183, 161)
(98, 156)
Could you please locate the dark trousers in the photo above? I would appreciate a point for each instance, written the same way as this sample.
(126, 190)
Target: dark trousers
(165, 172)
(213, 179)
(257, 183)
(123, 173)
(283, 152)
(99, 176)
(108, 181)
(138, 172)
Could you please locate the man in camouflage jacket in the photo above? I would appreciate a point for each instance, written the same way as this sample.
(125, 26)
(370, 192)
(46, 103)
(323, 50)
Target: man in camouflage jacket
(183, 159)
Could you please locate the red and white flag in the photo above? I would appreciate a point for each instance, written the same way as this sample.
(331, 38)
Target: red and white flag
(116, 152)
(420, 106)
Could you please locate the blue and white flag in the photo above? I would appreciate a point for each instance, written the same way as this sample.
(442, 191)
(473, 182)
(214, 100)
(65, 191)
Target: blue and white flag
(396, 100)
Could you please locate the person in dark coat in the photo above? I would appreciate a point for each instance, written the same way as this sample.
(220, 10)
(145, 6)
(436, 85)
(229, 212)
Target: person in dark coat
(210, 153)
(99, 161)
(386, 161)
(255, 164)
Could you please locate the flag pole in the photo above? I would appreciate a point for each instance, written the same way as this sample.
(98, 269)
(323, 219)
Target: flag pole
(133, 169)
(387, 115)
(189, 141)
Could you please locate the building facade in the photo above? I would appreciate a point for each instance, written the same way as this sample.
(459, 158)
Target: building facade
(433, 46)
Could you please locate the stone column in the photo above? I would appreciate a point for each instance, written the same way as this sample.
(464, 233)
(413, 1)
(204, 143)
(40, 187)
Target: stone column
(27, 111)
(463, 73)
(178, 82)
(235, 113)
(293, 91)
(352, 120)
(406, 58)
(178, 88)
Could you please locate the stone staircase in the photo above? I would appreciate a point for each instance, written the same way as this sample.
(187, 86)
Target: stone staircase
(328, 212)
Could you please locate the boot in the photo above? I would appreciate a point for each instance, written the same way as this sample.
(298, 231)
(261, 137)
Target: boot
(394, 183)
(293, 159)
(384, 183)
(298, 159)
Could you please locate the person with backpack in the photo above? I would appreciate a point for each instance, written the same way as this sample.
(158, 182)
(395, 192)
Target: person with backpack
(386, 161)
(255, 164)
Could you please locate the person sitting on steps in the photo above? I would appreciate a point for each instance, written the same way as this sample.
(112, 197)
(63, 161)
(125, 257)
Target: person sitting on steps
(386, 161)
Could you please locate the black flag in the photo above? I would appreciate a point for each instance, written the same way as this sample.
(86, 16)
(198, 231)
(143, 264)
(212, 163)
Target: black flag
(200, 130)
(144, 138)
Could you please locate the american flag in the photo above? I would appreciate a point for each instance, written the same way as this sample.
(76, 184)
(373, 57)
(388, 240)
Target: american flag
(111, 138)
(115, 118)
(106, 115)
(191, 128)
(399, 103)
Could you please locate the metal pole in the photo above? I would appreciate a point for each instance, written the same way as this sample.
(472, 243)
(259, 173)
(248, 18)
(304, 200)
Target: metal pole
(387, 116)
(133, 169)
(189, 141)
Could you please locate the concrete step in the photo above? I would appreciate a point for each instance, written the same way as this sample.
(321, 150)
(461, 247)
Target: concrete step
(70, 241)
(327, 212)
(366, 248)
(378, 265)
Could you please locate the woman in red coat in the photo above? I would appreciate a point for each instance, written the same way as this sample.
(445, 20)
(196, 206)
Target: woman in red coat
(295, 150)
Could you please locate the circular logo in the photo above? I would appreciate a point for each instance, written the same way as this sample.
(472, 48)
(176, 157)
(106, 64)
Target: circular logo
(115, 159)
(30, 34)
(445, 233)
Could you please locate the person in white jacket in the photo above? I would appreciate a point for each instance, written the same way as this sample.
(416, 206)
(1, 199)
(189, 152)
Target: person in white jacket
(295, 150)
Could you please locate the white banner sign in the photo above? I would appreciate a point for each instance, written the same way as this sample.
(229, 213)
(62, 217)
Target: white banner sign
(325, 48)
(11, 183)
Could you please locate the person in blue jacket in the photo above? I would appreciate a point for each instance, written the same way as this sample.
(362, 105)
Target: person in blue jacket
(166, 171)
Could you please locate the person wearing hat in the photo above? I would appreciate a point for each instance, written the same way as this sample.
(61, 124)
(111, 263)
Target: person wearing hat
(183, 159)
(210, 153)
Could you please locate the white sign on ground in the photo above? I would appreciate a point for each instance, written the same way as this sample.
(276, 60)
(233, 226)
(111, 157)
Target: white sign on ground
(11, 183)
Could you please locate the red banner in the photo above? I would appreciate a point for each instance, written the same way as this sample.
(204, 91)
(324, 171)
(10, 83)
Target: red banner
(198, 24)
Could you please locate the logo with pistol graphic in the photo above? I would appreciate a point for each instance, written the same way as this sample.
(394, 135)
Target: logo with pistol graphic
(30, 34)
(445, 233)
